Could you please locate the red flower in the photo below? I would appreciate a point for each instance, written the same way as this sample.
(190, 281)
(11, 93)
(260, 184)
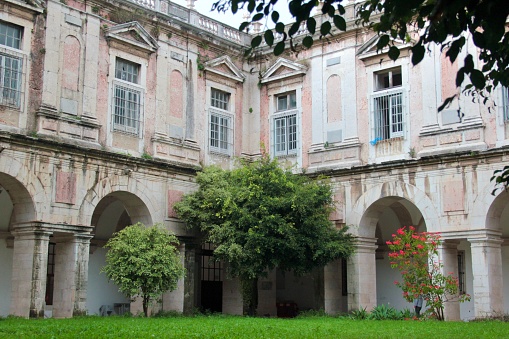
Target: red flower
(400, 231)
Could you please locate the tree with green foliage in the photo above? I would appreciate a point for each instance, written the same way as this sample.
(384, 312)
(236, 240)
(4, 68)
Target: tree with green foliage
(446, 23)
(261, 217)
(143, 261)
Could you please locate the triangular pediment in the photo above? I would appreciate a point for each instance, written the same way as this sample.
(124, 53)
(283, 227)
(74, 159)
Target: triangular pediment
(132, 33)
(369, 49)
(283, 68)
(224, 66)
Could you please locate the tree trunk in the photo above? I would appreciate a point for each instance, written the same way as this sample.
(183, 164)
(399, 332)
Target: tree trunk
(250, 296)
(146, 299)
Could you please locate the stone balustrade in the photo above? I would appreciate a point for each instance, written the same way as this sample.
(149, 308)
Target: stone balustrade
(195, 19)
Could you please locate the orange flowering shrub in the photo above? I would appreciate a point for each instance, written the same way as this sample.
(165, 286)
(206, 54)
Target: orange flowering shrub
(415, 255)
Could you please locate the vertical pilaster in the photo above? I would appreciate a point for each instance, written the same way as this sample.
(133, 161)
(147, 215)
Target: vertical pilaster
(267, 295)
(448, 254)
(362, 275)
(29, 270)
(174, 300)
(333, 299)
(488, 284)
(232, 297)
(71, 275)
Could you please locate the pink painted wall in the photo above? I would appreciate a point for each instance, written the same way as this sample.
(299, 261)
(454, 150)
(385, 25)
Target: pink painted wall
(307, 119)
(71, 65)
(150, 102)
(334, 99)
(176, 89)
(448, 72)
(264, 120)
(102, 88)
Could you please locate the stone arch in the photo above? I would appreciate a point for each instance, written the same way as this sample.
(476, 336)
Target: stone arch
(23, 207)
(498, 207)
(486, 207)
(365, 213)
(133, 193)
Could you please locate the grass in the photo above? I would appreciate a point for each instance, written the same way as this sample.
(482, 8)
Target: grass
(241, 327)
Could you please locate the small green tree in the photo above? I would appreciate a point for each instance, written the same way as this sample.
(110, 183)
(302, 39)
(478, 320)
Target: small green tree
(143, 261)
(260, 217)
(415, 255)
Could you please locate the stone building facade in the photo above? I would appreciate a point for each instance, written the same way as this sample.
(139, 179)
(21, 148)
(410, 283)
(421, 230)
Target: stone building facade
(109, 108)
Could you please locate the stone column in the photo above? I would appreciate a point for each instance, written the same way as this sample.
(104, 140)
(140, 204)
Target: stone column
(486, 269)
(448, 255)
(332, 288)
(71, 275)
(29, 272)
(362, 275)
(267, 295)
(232, 297)
(182, 299)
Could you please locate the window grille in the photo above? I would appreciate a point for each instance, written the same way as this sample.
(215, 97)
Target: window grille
(461, 272)
(127, 107)
(212, 270)
(388, 114)
(127, 98)
(11, 65)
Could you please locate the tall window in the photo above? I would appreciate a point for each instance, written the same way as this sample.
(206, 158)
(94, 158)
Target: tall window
(127, 97)
(505, 103)
(285, 124)
(11, 65)
(50, 275)
(461, 272)
(221, 136)
(388, 105)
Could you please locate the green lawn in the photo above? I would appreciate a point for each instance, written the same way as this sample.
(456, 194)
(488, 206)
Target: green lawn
(239, 327)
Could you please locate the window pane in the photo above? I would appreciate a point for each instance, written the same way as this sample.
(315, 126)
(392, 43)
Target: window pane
(505, 102)
(214, 131)
(397, 113)
(126, 70)
(293, 100)
(292, 133)
(10, 83)
(10, 35)
(280, 134)
(219, 99)
(282, 103)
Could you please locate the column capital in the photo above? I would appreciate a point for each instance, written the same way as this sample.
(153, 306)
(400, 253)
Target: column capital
(486, 242)
(365, 243)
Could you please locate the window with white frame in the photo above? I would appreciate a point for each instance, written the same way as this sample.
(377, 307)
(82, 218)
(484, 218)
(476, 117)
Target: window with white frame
(388, 108)
(505, 103)
(221, 122)
(127, 97)
(11, 64)
(285, 124)
(461, 272)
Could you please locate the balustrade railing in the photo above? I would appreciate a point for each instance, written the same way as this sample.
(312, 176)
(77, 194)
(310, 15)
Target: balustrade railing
(196, 19)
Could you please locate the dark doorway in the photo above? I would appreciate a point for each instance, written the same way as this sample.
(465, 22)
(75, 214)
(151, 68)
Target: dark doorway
(211, 281)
